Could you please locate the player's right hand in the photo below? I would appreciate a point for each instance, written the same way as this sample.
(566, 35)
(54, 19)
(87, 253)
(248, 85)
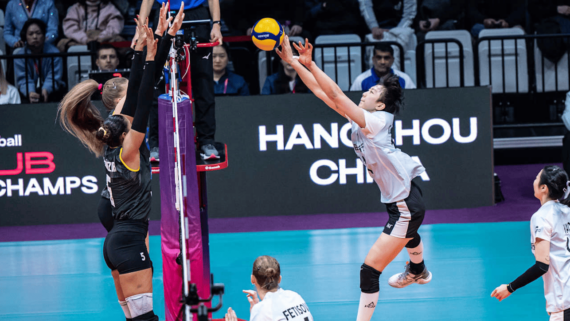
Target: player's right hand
(252, 298)
(177, 24)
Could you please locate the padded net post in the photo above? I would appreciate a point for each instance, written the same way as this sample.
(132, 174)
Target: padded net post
(197, 250)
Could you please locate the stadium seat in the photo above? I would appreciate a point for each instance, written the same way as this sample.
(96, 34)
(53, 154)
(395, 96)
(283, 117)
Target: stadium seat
(550, 71)
(327, 56)
(73, 66)
(409, 56)
(262, 62)
(453, 58)
(512, 65)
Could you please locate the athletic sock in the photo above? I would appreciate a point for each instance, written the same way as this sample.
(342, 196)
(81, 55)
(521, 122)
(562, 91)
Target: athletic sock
(126, 310)
(417, 253)
(367, 305)
(417, 268)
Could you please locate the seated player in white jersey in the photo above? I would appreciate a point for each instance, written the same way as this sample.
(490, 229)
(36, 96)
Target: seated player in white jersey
(276, 304)
(391, 169)
(550, 239)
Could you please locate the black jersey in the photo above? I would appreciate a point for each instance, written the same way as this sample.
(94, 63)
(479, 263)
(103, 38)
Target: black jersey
(129, 189)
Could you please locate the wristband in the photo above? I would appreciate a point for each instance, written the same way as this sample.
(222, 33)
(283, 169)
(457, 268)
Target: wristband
(217, 21)
(510, 288)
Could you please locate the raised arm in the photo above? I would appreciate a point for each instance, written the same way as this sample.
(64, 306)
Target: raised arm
(342, 103)
(128, 108)
(135, 136)
(305, 53)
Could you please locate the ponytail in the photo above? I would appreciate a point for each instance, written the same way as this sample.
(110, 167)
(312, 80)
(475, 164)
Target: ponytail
(79, 117)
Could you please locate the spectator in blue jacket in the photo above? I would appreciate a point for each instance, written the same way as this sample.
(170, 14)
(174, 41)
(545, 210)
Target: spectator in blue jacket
(225, 81)
(285, 80)
(382, 60)
(38, 81)
(19, 11)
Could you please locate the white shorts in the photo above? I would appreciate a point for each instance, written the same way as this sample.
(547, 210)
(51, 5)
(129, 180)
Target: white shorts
(560, 316)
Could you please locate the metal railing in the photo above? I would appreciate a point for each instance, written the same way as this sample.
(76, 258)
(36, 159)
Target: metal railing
(10, 59)
(421, 66)
(345, 45)
(533, 82)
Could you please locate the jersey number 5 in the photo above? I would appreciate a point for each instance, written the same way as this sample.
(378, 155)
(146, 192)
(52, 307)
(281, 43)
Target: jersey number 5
(110, 192)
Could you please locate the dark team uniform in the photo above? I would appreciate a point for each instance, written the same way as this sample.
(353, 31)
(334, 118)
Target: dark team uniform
(130, 196)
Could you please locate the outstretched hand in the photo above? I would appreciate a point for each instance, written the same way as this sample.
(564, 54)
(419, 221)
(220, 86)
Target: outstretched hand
(141, 42)
(286, 53)
(252, 298)
(305, 52)
(151, 45)
(163, 22)
(177, 24)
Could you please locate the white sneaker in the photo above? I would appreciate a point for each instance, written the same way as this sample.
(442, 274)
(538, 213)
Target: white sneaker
(402, 280)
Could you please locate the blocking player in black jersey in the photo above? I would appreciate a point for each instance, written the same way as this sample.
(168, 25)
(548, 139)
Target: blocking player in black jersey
(119, 95)
(128, 177)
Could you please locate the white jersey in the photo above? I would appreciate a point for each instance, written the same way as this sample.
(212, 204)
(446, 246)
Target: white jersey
(282, 305)
(552, 223)
(392, 169)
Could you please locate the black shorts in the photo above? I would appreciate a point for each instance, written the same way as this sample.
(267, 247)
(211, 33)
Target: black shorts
(125, 249)
(406, 217)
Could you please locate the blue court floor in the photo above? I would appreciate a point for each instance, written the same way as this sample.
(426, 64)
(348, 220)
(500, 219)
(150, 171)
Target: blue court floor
(68, 280)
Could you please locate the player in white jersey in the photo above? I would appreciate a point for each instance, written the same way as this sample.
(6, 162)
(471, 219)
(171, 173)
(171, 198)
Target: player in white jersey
(391, 169)
(276, 304)
(550, 239)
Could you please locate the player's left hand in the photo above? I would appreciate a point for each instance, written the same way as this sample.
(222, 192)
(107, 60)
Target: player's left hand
(177, 24)
(216, 34)
(501, 293)
(305, 52)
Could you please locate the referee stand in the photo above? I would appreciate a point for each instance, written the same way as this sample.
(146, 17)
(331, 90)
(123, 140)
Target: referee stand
(188, 283)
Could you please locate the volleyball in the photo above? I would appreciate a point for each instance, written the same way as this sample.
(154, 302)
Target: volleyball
(267, 34)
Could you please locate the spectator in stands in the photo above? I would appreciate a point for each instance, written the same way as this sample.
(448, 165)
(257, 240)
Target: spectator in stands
(390, 20)
(91, 20)
(107, 57)
(225, 81)
(19, 11)
(383, 59)
(290, 15)
(285, 81)
(42, 78)
(439, 15)
(551, 17)
(8, 94)
(329, 17)
(383, 15)
(489, 14)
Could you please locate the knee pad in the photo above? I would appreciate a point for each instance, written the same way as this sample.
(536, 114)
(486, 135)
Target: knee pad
(369, 279)
(415, 242)
(139, 304)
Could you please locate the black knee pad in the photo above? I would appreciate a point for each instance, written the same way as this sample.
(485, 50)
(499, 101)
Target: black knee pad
(415, 242)
(369, 279)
